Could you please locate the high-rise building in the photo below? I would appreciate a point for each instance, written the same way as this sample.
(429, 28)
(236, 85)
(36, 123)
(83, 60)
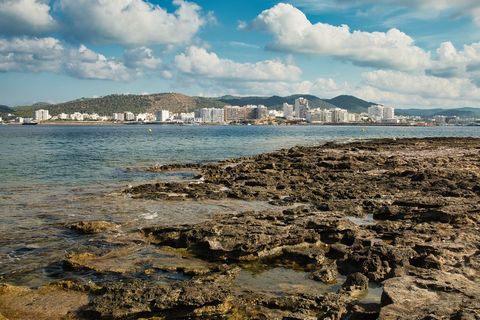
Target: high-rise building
(300, 109)
(375, 112)
(162, 115)
(388, 113)
(288, 111)
(234, 113)
(212, 115)
(120, 116)
(41, 115)
(380, 113)
(262, 112)
(250, 112)
(339, 115)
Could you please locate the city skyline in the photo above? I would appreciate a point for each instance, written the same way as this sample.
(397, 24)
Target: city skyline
(401, 53)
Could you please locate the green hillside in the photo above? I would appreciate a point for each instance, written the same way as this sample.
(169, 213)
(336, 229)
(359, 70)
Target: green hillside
(275, 102)
(5, 109)
(107, 105)
(351, 103)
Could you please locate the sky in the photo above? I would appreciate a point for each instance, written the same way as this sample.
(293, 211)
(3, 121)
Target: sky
(403, 53)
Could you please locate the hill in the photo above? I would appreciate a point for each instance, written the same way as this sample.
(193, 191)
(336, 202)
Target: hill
(5, 109)
(428, 113)
(107, 105)
(275, 102)
(351, 103)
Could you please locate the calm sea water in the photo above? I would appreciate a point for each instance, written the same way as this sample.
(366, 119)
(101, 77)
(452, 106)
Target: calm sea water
(53, 175)
(81, 155)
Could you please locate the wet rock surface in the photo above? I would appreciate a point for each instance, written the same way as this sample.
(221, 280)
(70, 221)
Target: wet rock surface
(400, 214)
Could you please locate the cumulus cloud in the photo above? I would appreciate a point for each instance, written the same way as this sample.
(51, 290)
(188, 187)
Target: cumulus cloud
(141, 58)
(131, 22)
(293, 32)
(21, 17)
(50, 55)
(200, 62)
(87, 64)
(407, 90)
(30, 54)
(451, 62)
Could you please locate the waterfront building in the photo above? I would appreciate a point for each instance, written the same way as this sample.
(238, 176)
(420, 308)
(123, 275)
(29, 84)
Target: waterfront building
(262, 112)
(300, 108)
(288, 111)
(339, 115)
(41, 115)
(63, 116)
(234, 113)
(375, 112)
(129, 116)
(76, 116)
(275, 114)
(440, 119)
(188, 116)
(388, 113)
(120, 116)
(250, 112)
(212, 115)
(162, 115)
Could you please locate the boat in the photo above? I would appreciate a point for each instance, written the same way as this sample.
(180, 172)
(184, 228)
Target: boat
(32, 123)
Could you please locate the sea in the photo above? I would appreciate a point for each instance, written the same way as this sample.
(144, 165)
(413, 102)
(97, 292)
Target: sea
(52, 176)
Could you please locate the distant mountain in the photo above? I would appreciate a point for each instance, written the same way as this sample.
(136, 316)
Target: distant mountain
(275, 102)
(176, 102)
(428, 113)
(5, 109)
(107, 105)
(351, 103)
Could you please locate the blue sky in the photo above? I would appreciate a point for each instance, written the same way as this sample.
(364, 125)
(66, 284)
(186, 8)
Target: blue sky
(404, 53)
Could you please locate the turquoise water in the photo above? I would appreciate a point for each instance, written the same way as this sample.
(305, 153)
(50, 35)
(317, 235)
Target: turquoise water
(82, 155)
(54, 175)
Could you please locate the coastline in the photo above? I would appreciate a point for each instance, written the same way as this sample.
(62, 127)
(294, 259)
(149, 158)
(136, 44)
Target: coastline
(401, 214)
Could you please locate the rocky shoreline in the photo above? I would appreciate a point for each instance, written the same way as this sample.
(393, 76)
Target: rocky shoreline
(385, 229)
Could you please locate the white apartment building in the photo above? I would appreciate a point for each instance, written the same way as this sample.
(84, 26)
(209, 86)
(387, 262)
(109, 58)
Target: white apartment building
(300, 108)
(381, 113)
(319, 115)
(162, 115)
(288, 111)
(375, 112)
(120, 116)
(41, 115)
(388, 113)
(129, 116)
(339, 115)
(214, 115)
(63, 116)
(76, 116)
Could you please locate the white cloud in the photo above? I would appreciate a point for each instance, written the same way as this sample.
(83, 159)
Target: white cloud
(50, 55)
(407, 90)
(453, 63)
(199, 62)
(131, 22)
(20, 17)
(87, 64)
(30, 54)
(293, 32)
(141, 58)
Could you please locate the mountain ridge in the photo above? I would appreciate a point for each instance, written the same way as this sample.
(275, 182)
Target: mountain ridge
(177, 102)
